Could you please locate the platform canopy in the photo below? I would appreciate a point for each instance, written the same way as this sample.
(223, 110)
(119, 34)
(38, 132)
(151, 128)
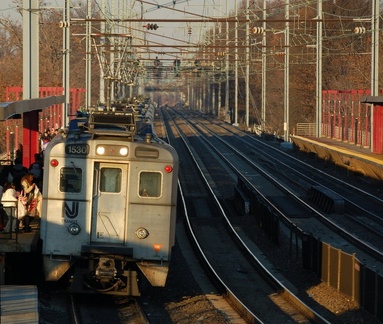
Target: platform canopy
(16, 108)
(377, 100)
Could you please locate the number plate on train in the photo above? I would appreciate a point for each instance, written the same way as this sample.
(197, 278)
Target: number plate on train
(77, 149)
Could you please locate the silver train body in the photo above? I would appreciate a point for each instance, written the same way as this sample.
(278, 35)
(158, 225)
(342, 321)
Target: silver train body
(109, 204)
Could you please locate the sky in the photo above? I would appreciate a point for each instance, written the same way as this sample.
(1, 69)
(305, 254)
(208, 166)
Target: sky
(7, 8)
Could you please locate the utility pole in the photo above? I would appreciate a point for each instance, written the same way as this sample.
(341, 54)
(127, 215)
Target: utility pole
(30, 49)
(264, 43)
(319, 71)
(236, 67)
(247, 65)
(227, 90)
(88, 56)
(30, 80)
(286, 100)
(374, 61)
(219, 104)
(66, 61)
(102, 98)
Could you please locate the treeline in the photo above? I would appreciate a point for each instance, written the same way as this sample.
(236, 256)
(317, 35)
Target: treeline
(50, 50)
(346, 54)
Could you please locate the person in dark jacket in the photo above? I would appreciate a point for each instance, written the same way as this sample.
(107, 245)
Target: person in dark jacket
(18, 171)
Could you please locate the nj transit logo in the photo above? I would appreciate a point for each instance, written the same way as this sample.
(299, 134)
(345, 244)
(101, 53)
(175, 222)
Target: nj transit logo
(71, 212)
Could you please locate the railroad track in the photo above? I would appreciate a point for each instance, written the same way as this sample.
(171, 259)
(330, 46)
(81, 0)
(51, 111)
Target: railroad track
(83, 309)
(359, 214)
(236, 269)
(215, 159)
(223, 191)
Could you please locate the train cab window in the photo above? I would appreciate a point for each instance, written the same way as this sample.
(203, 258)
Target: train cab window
(70, 180)
(110, 180)
(150, 184)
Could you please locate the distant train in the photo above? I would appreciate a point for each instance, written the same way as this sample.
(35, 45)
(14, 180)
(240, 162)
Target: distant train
(109, 203)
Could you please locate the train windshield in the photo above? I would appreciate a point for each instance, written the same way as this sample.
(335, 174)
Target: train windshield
(70, 179)
(150, 184)
(110, 180)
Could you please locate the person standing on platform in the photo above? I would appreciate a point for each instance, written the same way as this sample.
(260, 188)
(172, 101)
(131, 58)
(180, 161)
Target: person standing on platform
(9, 201)
(36, 168)
(28, 190)
(18, 171)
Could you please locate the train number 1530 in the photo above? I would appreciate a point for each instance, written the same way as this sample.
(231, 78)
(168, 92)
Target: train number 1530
(77, 149)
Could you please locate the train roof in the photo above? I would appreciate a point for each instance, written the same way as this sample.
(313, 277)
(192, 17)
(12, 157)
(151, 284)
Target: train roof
(119, 121)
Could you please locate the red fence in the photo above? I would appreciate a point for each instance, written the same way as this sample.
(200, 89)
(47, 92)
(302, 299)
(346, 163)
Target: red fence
(345, 118)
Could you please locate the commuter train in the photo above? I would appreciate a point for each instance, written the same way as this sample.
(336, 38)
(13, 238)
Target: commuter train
(109, 203)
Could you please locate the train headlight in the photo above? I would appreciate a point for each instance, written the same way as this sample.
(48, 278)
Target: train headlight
(74, 229)
(124, 151)
(100, 150)
(142, 233)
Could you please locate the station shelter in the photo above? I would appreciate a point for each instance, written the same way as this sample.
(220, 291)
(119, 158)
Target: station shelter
(26, 120)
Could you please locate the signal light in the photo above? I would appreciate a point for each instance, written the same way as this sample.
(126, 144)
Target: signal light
(64, 24)
(258, 30)
(151, 26)
(157, 247)
(54, 163)
(168, 169)
(360, 30)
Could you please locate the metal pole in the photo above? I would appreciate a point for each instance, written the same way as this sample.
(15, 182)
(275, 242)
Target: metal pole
(66, 61)
(286, 125)
(112, 54)
(374, 62)
(212, 84)
(319, 71)
(30, 49)
(88, 98)
(247, 66)
(102, 42)
(236, 67)
(227, 90)
(219, 104)
(264, 43)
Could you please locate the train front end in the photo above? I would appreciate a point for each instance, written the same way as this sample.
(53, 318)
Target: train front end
(109, 209)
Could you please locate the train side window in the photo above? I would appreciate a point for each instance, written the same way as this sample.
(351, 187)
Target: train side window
(110, 180)
(150, 184)
(71, 180)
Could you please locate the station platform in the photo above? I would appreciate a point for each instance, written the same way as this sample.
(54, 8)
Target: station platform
(19, 304)
(21, 242)
(18, 243)
(350, 156)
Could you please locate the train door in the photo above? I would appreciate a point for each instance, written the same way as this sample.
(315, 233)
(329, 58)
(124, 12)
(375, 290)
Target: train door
(109, 203)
